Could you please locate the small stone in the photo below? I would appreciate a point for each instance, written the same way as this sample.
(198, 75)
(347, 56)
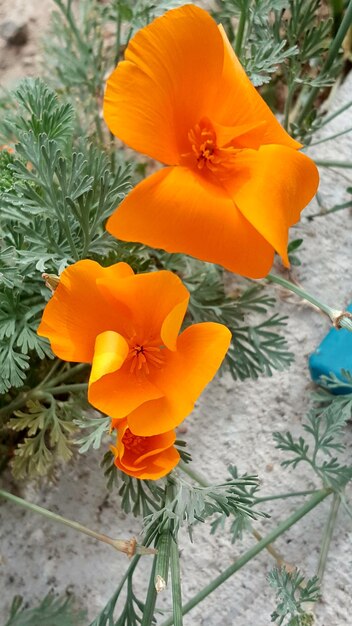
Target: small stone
(13, 33)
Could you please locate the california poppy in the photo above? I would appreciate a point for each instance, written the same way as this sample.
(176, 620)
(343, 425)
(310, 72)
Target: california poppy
(235, 181)
(127, 325)
(144, 457)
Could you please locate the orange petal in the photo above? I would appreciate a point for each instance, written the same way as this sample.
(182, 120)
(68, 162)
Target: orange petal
(160, 442)
(271, 188)
(119, 393)
(181, 211)
(239, 104)
(200, 351)
(110, 352)
(156, 468)
(157, 302)
(77, 311)
(166, 84)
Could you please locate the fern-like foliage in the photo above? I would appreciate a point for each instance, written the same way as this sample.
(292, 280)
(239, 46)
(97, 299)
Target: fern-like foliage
(139, 497)
(47, 424)
(192, 504)
(324, 426)
(257, 347)
(293, 591)
(53, 209)
(239, 524)
(50, 612)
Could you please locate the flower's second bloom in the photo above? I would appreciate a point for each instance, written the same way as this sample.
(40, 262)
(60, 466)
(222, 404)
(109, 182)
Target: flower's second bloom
(128, 327)
(236, 181)
(144, 457)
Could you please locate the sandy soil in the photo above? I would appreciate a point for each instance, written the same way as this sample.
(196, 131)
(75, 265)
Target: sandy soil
(232, 423)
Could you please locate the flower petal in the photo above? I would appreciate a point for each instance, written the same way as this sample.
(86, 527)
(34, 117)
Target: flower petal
(239, 103)
(181, 211)
(165, 85)
(157, 302)
(271, 188)
(110, 352)
(77, 311)
(200, 351)
(157, 467)
(119, 393)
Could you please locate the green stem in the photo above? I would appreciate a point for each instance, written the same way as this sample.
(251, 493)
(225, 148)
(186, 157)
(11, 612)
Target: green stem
(330, 137)
(328, 119)
(107, 613)
(118, 37)
(68, 14)
(282, 496)
(202, 481)
(20, 401)
(198, 478)
(149, 607)
(329, 529)
(333, 52)
(162, 562)
(340, 319)
(334, 209)
(341, 164)
(176, 583)
(67, 388)
(240, 30)
(72, 371)
(40, 391)
(129, 547)
(288, 102)
(252, 552)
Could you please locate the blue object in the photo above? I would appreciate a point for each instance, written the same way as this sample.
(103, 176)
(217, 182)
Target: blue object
(333, 355)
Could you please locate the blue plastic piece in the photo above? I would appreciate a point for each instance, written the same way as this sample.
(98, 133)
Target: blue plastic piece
(333, 355)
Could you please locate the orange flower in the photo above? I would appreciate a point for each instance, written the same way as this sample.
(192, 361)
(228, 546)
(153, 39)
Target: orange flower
(236, 181)
(144, 457)
(128, 326)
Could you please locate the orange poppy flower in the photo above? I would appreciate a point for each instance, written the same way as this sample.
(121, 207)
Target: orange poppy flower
(235, 181)
(128, 326)
(144, 457)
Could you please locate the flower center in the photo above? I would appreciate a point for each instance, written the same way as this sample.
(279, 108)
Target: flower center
(203, 143)
(134, 443)
(205, 151)
(144, 356)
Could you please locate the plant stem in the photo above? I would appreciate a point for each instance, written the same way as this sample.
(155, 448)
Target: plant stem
(282, 496)
(67, 388)
(340, 319)
(162, 562)
(341, 164)
(40, 391)
(333, 52)
(328, 119)
(129, 547)
(20, 401)
(149, 607)
(288, 103)
(330, 137)
(274, 553)
(72, 371)
(107, 613)
(252, 552)
(329, 529)
(176, 583)
(198, 478)
(118, 37)
(240, 29)
(202, 481)
(334, 209)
